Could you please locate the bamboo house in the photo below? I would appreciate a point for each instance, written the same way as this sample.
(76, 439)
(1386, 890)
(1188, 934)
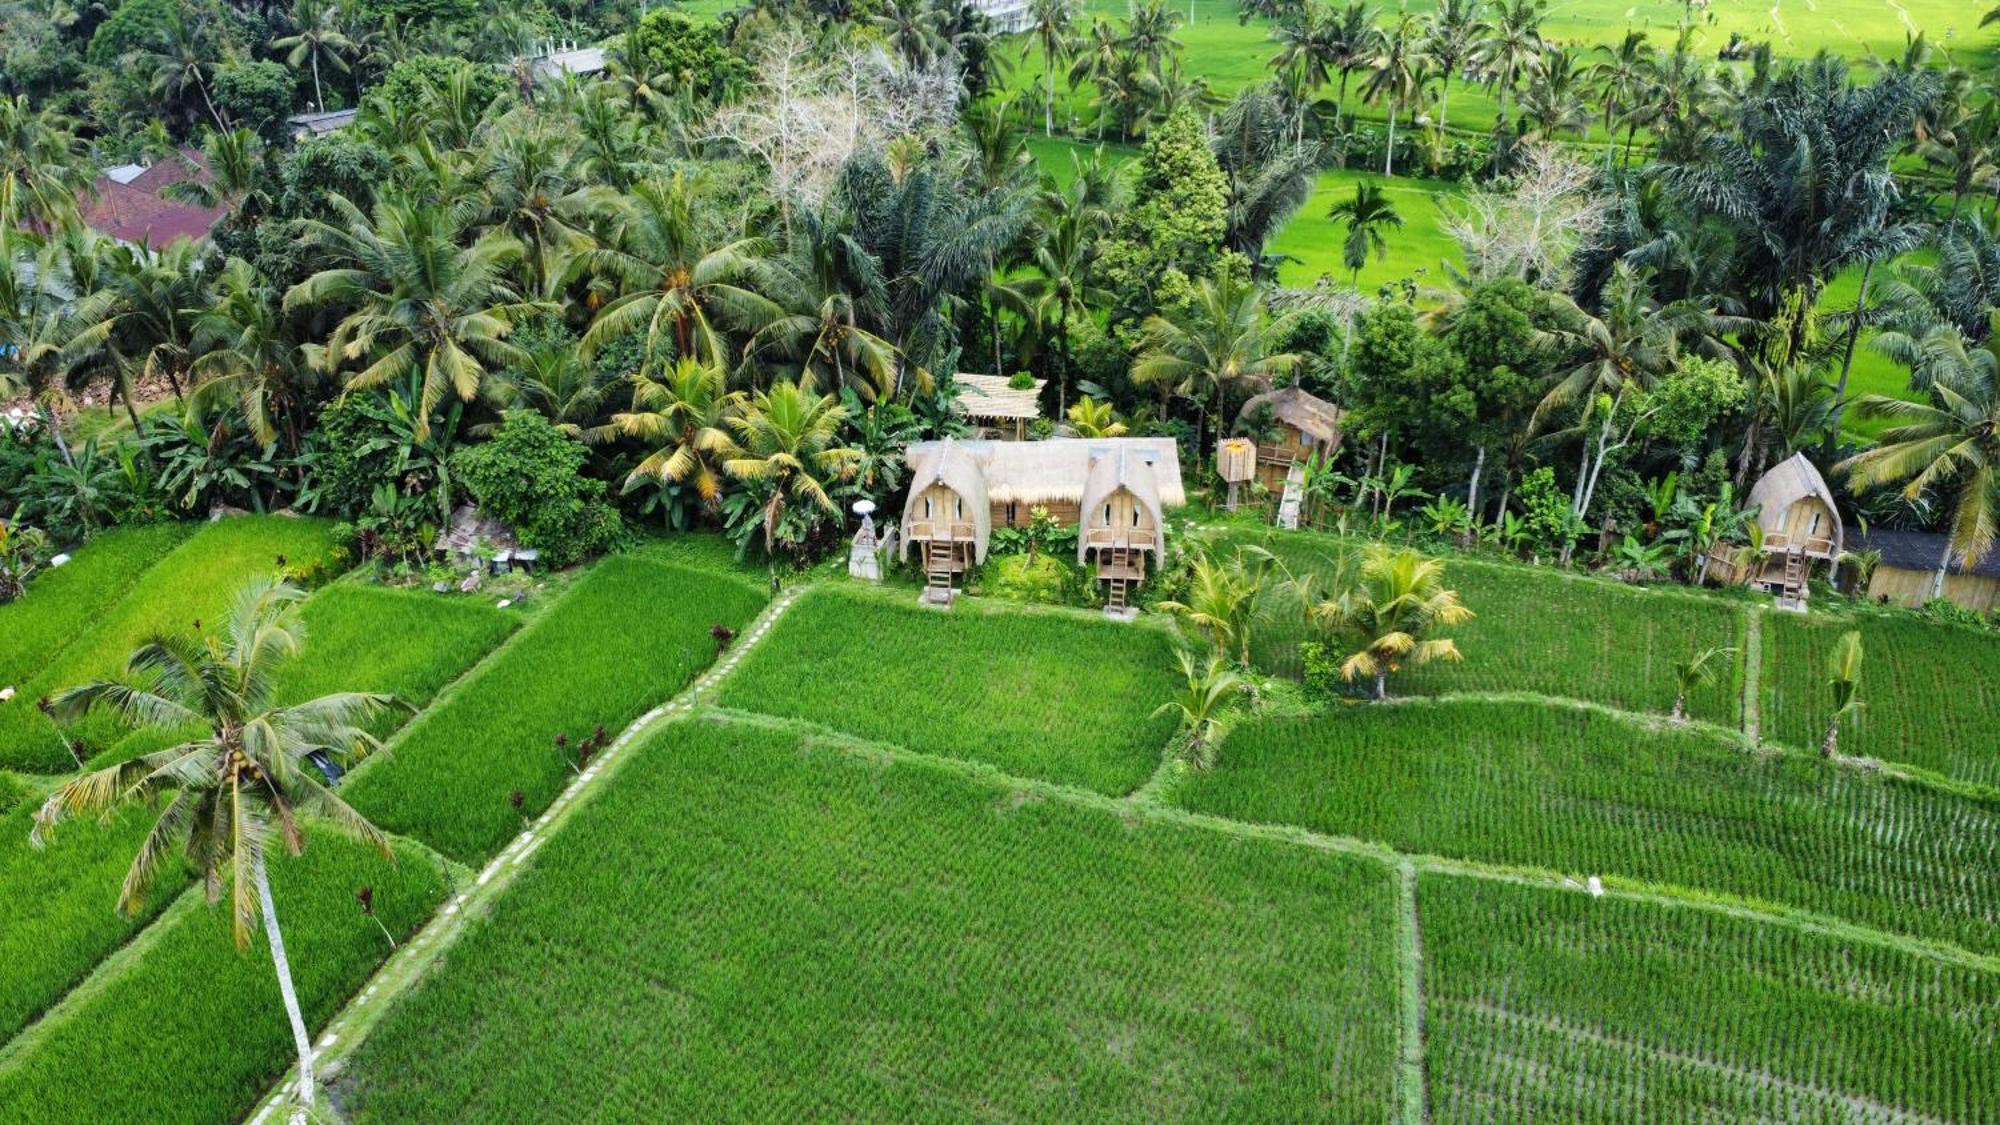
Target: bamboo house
(1114, 491)
(1290, 425)
(1800, 526)
(996, 407)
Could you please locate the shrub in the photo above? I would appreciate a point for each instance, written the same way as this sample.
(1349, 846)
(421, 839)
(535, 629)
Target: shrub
(531, 476)
(413, 83)
(256, 96)
(691, 54)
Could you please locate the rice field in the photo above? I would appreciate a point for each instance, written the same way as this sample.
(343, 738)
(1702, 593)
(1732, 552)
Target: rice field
(64, 922)
(628, 635)
(1549, 1005)
(1535, 631)
(194, 581)
(191, 1030)
(1565, 789)
(1929, 692)
(1062, 697)
(752, 926)
(63, 602)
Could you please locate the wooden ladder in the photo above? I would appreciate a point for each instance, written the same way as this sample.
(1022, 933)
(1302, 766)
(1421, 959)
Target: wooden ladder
(937, 564)
(1795, 573)
(1293, 498)
(1114, 595)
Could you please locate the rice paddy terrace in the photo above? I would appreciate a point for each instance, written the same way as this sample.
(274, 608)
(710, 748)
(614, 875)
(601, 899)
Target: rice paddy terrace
(851, 858)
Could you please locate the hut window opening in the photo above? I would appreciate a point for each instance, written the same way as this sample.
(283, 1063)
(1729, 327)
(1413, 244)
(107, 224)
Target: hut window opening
(1815, 524)
(927, 507)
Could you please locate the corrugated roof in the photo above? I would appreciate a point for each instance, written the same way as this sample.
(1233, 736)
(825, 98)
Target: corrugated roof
(989, 396)
(134, 211)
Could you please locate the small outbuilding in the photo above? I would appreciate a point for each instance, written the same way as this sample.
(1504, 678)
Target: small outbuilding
(996, 406)
(1800, 524)
(1114, 491)
(1907, 572)
(1289, 425)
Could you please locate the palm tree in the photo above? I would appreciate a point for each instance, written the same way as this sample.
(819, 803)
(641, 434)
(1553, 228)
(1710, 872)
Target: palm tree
(1448, 40)
(1399, 595)
(1698, 670)
(319, 37)
(533, 193)
(40, 152)
(684, 416)
(1063, 289)
(1967, 152)
(1309, 44)
(1396, 74)
(1097, 56)
(1222, 598)
(915, 30)
(1508, 42)
(1051, 22)
(1556, 99)
(1352, 43)
(838, 297)
(1271, 172)
(1367, 215)
(178, 61)
(1620, 77)
(1218, 341)
(1093, 419)
(1210, 687)
(235, 180)
(419, 304)
(1843, 681)
(1149, 33)
(676, 286)
(237, 789)
(787, 441)
(142, 316)
(1951, 445)
(247, 354)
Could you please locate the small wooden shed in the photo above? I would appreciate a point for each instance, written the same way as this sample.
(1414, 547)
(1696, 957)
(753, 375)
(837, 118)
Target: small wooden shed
(1306, 425)
(1801, 526)
(996, 406)
(1114, 491)
(1907, 574)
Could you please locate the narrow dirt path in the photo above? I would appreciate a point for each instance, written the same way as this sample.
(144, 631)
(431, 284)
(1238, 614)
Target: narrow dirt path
(417, 956)
(1753, 673)
(1411, 1082)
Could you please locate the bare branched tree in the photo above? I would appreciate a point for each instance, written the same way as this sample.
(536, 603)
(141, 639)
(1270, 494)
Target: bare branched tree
(1532, 225)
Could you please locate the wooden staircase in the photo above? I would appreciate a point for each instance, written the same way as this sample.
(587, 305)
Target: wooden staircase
(1117, 566)
(939, 559)
(1792, 595)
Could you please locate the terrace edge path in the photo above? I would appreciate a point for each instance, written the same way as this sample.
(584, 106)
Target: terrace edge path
(1753, 672)
(1412, 1083)
(405, 967)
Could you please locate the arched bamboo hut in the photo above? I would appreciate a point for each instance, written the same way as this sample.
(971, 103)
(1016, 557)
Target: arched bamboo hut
(1800, 524)
(948, 517)
(1306, 425)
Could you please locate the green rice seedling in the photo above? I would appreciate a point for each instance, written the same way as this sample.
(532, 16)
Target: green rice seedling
(629, 635)
(1565, 788)
(1929, 692)
(192, 582)
(13, 791)
(1536, 630)
(1061, 697)
(753, 925)
(65, 603)
(1549, 1005)
(359, 638)
(191, 1030)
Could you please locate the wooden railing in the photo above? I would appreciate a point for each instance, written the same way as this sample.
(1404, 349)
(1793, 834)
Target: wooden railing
(1779, 543)
(938, 529)
(1136, 538)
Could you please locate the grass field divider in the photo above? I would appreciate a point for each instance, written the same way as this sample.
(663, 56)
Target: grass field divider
(421, 952)
(1662, 894)
(1410, 1080)
(1753, 671)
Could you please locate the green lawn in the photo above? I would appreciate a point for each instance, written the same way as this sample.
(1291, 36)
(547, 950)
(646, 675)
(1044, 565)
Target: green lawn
(1548, 1005)
(63, 921)
(745, 927)
(627, 636)
(195, 581)
(1057, 696)
(192, 1031)
(1929, 692)
(1558, 787)
(1536, 630)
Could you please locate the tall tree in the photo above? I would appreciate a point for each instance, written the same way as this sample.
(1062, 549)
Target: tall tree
(240, 786)
(320, 38)
(1448, 40)
(1949, 446)
(1396, 597)
(1367, 214)
(788, 442)
(248, 357)
(1395, 76)
(682, 416)
(1508, 41)
(1051, 22)
(1221, 340)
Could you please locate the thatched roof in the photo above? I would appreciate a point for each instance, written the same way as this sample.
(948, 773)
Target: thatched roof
(1785, 485)
(1044, 472)
(1121, 468)
(989, 396)
(959, 467)
(1300, 409)
(1919, 551)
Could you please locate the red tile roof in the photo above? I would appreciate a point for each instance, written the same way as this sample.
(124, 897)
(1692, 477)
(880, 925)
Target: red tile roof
(137, 213)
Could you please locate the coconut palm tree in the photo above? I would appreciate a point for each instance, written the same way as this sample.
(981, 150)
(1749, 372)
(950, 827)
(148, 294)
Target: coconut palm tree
(319, 38)
(788, 441)
(1620, 77)
(1093, 419)
(1397, 597)
(683, 415)
(1097, 56)
(1149, 33)
(1698, 670)
(1270, 172)
(1367, 215)
(838, 297)
(178, 62)
(1222, 598)
(1353, 43)
(1966, 152)
(1062, 289)
(532, 191)
(234, 791)
(1508, 41)
(671, 282)
(1210, 688)
(40, 153)
(1448, 40)
(1309, 43)
(1557, 98)
(1219, 341)
(1050, 23)
(1950, 446)
(1396, 75)
(247, 354)
(418, 303)
(141, 317)
(1843, 682)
